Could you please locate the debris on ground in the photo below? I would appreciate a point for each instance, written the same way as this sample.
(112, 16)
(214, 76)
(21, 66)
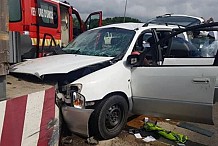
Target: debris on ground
(171, 135)
(135, 125)
(67, 140)
(92, 141)
(149, 139)
(150, 131)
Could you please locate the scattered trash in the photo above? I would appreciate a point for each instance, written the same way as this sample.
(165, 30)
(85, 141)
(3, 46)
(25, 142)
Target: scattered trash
(144, 133)
(180, 144)
(149, 126)
(195, 128)
(67, 140)
(167, 119)
(134, 131)
(146, 119)
(150, 131)
(93, 141)
(149, 139)
(138, 135)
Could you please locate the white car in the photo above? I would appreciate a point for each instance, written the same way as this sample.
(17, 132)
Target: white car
(144, 69)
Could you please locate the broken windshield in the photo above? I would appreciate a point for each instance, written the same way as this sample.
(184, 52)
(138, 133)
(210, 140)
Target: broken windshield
(109, 42)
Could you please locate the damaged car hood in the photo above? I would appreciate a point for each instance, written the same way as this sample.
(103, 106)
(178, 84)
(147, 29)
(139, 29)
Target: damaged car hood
(56, 64)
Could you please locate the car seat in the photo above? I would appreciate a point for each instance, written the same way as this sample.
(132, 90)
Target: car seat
(181, 48)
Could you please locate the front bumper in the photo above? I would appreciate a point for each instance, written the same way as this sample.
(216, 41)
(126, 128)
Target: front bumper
(77, 119)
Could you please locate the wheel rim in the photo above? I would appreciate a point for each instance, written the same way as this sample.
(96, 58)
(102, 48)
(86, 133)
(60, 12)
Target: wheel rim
(114, 116)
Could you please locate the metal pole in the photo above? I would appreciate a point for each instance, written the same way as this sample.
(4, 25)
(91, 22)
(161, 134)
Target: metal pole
(37, 30)
(4, 37)
(124, 17)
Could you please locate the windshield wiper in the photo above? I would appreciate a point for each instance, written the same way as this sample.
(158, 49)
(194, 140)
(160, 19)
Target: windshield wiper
(69, 51)
(77, 51)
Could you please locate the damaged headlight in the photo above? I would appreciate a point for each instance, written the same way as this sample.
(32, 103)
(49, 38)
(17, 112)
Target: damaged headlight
(78, 100)
(73, 95)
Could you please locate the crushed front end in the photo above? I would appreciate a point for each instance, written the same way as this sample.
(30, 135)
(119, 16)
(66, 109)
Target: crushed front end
(72, 105)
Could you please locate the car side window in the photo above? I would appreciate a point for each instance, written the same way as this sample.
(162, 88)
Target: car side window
(200, 44)
(180, 48)
(142, 42)
(76, 26)
(205, 43)
(144, 47)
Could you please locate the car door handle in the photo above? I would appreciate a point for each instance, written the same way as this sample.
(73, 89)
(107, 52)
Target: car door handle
(201, 80)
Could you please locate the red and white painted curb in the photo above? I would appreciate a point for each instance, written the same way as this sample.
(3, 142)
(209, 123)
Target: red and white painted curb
(30, 120)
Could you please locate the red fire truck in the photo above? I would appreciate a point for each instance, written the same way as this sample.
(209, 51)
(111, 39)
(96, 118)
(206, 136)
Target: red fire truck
(39, 27)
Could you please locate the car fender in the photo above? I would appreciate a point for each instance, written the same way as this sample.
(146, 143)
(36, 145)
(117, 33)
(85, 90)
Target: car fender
(114, 78)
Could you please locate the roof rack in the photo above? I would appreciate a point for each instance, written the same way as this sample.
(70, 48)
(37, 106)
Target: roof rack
(164, 23)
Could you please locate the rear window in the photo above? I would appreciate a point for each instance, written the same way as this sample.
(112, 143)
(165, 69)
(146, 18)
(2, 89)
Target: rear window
(14, 10)
(177, 20)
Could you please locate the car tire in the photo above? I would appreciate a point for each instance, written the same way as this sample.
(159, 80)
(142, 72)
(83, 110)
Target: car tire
(109, 117)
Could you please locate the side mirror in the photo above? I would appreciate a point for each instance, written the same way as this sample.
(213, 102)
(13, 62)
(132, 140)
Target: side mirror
(133, 60)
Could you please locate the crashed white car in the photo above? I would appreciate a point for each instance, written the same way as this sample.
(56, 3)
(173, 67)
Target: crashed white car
(143, 69)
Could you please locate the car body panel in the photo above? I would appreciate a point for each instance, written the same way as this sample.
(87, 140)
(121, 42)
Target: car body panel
(188, 61)
(115, 78)
(57, 64)
(73, 118)
(184, 86)
(176, 110)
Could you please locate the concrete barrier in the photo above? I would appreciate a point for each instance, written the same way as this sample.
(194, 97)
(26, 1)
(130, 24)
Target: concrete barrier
(30, 120)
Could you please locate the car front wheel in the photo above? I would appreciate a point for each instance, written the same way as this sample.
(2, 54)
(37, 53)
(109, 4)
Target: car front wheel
(109, 117)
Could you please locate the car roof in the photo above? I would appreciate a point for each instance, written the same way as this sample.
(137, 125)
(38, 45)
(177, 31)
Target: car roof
(130, 26)
(177, 19)
(134, 26)
(183, 15)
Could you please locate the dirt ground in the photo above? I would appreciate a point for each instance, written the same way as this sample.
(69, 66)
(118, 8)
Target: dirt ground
(126, 139)
(16, 87)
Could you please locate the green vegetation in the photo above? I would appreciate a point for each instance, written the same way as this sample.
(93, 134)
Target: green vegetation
(114, 20)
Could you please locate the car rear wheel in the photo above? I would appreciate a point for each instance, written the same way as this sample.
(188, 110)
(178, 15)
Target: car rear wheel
(110, 117)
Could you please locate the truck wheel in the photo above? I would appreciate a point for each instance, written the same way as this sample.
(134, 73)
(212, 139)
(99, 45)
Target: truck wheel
(110, 117)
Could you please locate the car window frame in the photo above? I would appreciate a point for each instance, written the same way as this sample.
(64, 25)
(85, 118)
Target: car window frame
(206, 27)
